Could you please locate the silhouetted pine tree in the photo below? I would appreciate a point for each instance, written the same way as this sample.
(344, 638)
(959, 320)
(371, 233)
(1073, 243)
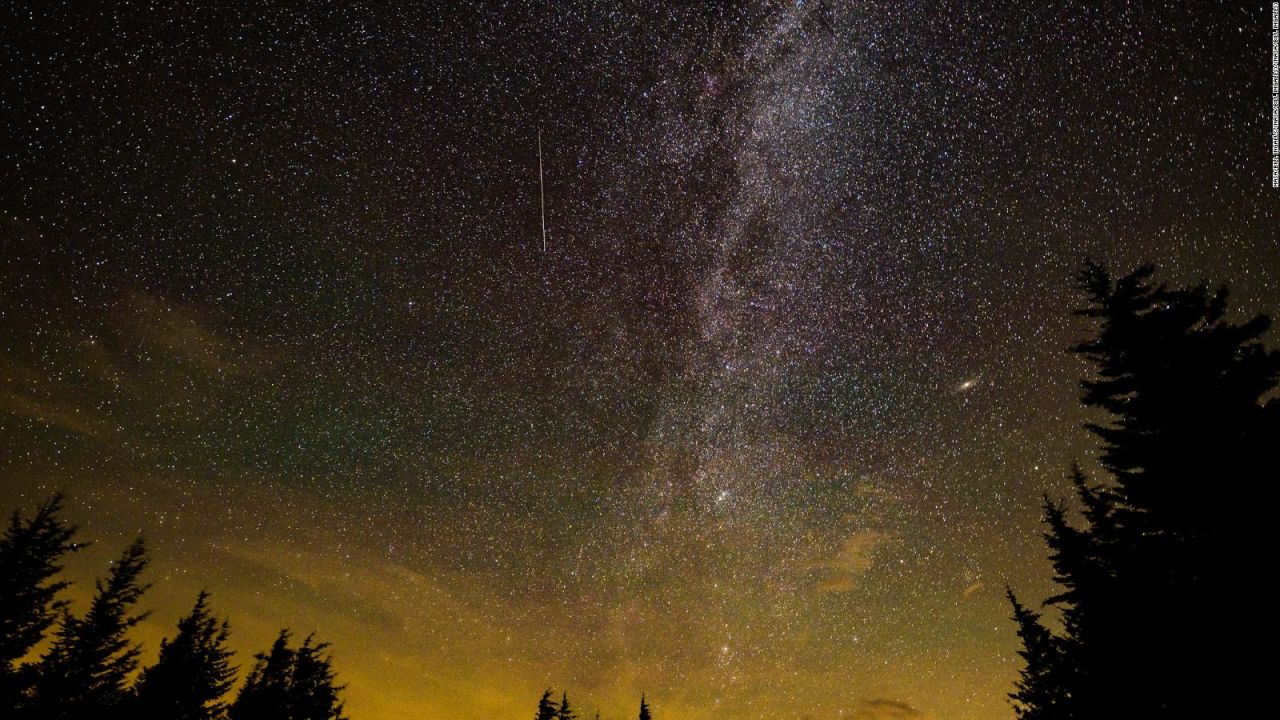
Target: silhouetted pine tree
(1151, 582)
(565, 712)
(265, 693)
(1039, 684)
(84, 673)
(30, 556)
(193, 671)
(312, 692)
(292, 684)
(644, 709)
(547, 708)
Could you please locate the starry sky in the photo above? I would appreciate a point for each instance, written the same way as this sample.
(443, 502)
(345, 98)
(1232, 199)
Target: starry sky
(763, 432)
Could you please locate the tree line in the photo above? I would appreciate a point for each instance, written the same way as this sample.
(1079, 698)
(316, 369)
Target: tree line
(549, 709)
(90, 670)
(1154, 562)
(1157, 560)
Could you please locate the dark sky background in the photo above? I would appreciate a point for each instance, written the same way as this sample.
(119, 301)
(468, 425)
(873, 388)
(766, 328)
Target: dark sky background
(762, 433)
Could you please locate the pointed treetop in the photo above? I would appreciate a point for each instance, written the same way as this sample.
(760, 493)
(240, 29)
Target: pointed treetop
(193, 671)
(31, 550)
(547, 708)
(92, 658)
(565, 712)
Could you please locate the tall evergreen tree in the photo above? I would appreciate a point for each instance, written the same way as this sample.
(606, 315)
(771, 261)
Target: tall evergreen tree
(644, 709)
(312, 692)
(1150, 582)
(31, 551)
(1036, 691)
(193, 671)
(85, 672)
(565, 712)
(294, 684)
(547, 708)
(265, 693)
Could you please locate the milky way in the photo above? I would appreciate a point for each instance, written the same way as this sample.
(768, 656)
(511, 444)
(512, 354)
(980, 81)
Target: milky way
(762, 432)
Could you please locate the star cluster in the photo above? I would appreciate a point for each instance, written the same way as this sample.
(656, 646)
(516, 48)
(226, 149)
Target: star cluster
(762, 433)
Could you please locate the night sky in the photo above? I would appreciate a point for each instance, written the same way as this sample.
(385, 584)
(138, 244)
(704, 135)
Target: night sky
(763, 432)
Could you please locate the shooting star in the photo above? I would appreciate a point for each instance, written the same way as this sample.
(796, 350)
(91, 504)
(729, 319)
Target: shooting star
(542, 193)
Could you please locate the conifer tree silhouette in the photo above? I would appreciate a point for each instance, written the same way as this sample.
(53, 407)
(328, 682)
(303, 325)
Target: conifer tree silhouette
(547, 708)
(31, 550)
(565, 712)
(313, 694)
(288, 683)
(644, 709)
(193, 671)
(1150, 583)
(1036, 690)
(265, 693)
(84, 673)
